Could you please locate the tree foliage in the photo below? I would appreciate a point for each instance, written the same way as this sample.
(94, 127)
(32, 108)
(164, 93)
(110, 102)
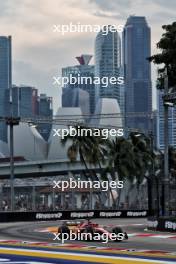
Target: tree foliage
(167, 56)
(172, 161)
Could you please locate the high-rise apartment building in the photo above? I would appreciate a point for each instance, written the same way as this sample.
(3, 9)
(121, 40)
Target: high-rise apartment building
(137, 73)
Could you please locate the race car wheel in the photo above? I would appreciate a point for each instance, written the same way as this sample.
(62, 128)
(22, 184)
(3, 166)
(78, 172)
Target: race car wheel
(64, 230)
(89, 230)
(118, 230)
(126, 236)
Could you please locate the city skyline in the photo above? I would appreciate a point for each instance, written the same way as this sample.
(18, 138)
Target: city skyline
(38, 53)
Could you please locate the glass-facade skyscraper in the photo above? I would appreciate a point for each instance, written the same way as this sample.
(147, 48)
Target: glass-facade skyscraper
(137, 73)
(45, 109)
(72, 91)
(5, 81)
(160, 123)
(107, 62)
(28, 104)
(28, 101)
(25, 101)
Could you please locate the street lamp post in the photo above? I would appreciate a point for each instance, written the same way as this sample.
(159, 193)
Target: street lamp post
(152, 170)
(166, 165)
(12, 122)
(11, 167)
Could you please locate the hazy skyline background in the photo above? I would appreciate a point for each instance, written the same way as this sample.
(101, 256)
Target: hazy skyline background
(38, 54)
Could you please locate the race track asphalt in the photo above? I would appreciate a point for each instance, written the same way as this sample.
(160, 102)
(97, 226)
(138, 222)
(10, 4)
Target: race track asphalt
(140, 239)
(31, 243)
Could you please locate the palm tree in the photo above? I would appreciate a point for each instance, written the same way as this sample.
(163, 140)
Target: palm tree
(129, 158)
(120, 159)
(143, 155)
(86, 147)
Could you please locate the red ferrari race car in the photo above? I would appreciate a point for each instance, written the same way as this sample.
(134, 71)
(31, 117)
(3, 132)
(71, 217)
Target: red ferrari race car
(87, 230)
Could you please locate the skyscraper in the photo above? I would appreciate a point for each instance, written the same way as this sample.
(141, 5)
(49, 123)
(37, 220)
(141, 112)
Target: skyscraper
(45, 109)
(83, 69)
(44, 105)
(107, 62)
(160, 123)
(137, 71)
(27, 101)
(76, 98)
(5, 81)
(122, 94)
(24, 101)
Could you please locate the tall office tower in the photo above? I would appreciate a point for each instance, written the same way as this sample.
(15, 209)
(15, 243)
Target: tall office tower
(122, 93)
(160, 123)
(45, 109)
(24, 101)
(28, 101)
(76, 98)
(137, 73)
(84, 71)
(5, 82)
(107, 62)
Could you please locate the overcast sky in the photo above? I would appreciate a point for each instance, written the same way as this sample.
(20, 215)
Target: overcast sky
(39, 54)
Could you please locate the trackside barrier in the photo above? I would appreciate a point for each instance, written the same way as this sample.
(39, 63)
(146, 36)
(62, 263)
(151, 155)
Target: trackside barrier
(59, 215)
(167, 224)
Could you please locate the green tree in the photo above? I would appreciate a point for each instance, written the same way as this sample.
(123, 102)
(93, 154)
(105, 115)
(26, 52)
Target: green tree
(167, 56)
(87, 148)
(167, 59)
(172, 161)
(129, 158)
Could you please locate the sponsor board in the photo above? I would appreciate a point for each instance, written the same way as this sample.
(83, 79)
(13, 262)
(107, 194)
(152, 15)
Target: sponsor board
(42, 216)
(52, 215)
(162, 224)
